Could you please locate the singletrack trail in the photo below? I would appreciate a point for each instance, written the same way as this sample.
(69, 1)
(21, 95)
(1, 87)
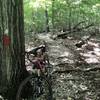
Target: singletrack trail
(73, 84)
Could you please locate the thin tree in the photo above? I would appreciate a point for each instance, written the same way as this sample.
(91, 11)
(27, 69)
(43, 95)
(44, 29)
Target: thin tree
(47, 18)
(53, 16)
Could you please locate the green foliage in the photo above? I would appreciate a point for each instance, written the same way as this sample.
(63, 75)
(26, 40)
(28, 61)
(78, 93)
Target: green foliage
(66, 13)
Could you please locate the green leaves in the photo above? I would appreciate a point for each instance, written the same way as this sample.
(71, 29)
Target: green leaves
(63, 13)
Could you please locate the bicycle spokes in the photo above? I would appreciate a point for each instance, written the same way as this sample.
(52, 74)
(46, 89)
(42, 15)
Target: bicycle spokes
(37, 89)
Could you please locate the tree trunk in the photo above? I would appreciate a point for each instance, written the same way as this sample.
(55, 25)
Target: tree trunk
(53, 16)
(11, 46)
(47, 20)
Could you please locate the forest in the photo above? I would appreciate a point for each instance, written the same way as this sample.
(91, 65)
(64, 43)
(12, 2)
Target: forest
(49, 50)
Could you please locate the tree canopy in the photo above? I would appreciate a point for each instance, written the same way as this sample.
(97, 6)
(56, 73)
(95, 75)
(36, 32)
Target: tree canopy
(64, 13)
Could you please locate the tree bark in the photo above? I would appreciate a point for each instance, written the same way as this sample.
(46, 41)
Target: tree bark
(53, 16)
(47, 20)
(12, 55)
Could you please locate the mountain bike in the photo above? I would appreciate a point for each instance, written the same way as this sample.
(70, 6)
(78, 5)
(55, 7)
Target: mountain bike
(36, 87)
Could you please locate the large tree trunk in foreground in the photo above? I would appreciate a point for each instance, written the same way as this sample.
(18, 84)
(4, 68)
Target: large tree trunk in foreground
(11, 46)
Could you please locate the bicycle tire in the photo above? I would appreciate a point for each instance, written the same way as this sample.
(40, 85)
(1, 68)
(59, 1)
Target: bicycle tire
(25, 81)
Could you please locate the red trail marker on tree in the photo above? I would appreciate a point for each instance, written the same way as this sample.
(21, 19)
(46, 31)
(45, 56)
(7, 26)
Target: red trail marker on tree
(6, 40)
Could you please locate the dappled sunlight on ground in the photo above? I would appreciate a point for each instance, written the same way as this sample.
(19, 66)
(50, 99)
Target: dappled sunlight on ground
(45, 36)
(92, 55)
(63, 55)
(92, 60)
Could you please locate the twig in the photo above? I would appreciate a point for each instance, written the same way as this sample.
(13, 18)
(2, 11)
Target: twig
(77, 70)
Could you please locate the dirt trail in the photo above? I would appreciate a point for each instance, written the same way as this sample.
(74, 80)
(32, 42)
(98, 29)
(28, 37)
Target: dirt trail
(72, 85)
(58, 53)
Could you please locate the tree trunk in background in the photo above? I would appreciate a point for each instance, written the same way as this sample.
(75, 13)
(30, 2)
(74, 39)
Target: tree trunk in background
(47, 20)
(0, 57)
(53, 16)
(69, 14)
(11, 46)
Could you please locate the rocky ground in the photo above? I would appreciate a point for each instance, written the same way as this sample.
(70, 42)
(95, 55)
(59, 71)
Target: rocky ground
(76, 71)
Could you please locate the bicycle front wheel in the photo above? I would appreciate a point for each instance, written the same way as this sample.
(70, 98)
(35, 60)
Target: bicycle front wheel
(28, 89)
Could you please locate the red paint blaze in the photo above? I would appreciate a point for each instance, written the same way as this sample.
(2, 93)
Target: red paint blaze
(6, 40)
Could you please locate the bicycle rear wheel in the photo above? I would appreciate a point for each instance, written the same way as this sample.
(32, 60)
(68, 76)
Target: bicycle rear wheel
(28, 89)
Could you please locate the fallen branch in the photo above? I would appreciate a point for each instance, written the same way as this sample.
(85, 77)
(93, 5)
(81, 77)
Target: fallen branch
(66, 71)
(86, 27)
(64, 35)
(77, 70)
(78, 24)
(92, 69)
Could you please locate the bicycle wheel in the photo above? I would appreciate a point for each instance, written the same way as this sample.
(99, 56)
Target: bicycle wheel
(28, 89)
